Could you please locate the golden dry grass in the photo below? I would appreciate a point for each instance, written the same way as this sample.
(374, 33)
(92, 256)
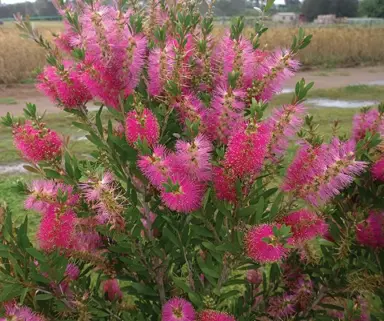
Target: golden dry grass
(331, 47)
(334, 46)
(19, 57)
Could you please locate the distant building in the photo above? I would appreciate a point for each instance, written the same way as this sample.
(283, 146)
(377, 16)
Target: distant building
(285, 17)
(328, 19)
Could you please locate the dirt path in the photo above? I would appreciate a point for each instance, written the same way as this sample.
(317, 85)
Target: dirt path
(341, 77)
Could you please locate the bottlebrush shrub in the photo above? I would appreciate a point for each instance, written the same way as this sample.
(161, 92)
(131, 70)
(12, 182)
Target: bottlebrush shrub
(197, 203)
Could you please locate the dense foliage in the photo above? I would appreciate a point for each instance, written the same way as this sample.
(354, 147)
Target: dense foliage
(372, 8)
(341, 8)
(198, 202)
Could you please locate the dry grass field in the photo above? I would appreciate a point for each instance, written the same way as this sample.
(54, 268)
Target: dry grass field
(331, 47)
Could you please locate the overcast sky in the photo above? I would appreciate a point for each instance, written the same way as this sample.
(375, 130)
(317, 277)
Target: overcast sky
(16, 1)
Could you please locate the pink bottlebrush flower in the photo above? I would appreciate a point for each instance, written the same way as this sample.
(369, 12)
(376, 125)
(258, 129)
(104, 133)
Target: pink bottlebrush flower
(56, 229)
(303, 168)
(371, 232)
(225, 114)
(114, 55)
(186, 195)
(20, 313)
(119, 130)
(142, 125)
(279, 67)
(105, 198)
(232, 55)
(64, 87)
(193, 158)
(247, 149)
(177, 309)
(112, 290)
(189, 108)
(87, 242)
(285, 123)
(282, 306)
(72, 271)
(305, 225)
(160, 68)
(318, 174)
(364, 309)
(224, 182)
(263, 251)
(302, 290)
(368, 121)
(378, 170)
(147, 221)
(211, 315)
(43, 193)
(254, 277)
(37, 144)
(156, 166)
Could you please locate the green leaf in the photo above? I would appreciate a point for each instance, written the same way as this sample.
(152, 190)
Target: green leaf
(202, 231)
(210, 272)
(182, 285)
(99, 124)
(144, 290)
(82, 126)
(195, 299)
(68, 164)
(269, 5)
(247, 211)
(276, 206)
(44, 297)
(229, 294)
(50, 173)
(31, 169)
(10, 291)
(36, 254)
(170, 236)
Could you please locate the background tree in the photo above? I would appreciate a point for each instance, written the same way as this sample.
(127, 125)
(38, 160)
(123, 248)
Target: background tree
(341, 8)
(372, 8)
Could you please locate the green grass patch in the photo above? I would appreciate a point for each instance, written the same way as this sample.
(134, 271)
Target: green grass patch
(7, 101)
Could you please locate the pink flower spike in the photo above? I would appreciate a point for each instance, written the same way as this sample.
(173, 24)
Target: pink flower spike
(155, 167)
(193, 158)
(225, 184)
(371, 232)
(37, 144)
(254, 277)
(177, 309)
(259, 250)
(378, 170)
(20, 313)
(43, 193)
(112, 290)
(56, 229)
(282, 306)
(305, 225)
(211, 315)
(142, 125)
(367, 121)
(247, 149)
(72, 271)
(186, 195)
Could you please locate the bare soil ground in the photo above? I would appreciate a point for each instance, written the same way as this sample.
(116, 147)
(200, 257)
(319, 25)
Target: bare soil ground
(324, 79)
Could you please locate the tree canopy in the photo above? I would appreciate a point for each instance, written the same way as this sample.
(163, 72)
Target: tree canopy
(341, 8)
(372, 8)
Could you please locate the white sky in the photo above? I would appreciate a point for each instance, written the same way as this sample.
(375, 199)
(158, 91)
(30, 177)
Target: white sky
(16, 1)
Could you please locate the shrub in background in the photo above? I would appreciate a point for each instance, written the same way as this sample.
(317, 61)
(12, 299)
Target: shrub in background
(190, 207)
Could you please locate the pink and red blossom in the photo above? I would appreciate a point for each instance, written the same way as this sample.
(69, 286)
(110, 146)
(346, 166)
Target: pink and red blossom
(378, 170)
(305, 225)
(142, 125)
(261, 250)
(37, 143)
(112, 290)
(211, 315)
(371, 232)
(178, 309)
